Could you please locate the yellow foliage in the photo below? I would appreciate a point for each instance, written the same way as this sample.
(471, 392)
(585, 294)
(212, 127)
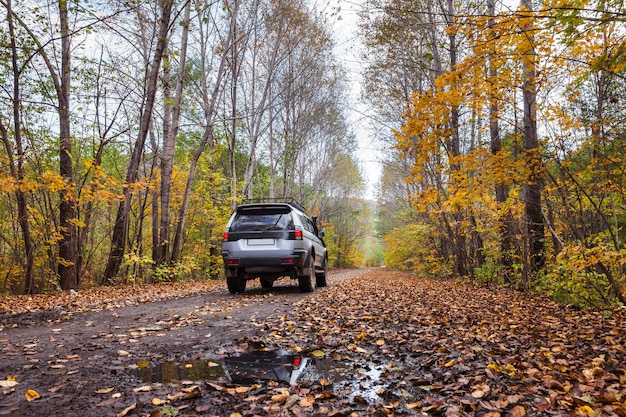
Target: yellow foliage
(412, 248)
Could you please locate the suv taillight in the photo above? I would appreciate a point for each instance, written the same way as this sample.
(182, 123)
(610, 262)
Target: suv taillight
(298, 234)
(225, 236)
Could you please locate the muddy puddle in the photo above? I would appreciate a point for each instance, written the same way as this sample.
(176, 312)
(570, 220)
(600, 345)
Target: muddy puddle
(254, 367)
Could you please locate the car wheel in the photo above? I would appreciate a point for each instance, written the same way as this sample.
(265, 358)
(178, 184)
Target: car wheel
(266, 283)
(320, 277)
(236, 284)
(307, 281)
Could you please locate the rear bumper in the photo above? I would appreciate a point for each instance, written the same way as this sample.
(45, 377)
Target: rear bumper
(271, 262)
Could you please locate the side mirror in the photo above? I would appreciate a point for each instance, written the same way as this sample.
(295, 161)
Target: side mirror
(322, 233)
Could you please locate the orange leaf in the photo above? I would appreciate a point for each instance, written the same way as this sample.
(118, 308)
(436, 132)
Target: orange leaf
(307, 401)
(31, 395)
(518, 411)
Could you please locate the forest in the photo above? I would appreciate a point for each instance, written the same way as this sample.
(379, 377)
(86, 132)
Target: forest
(130, 130)
(510, 142)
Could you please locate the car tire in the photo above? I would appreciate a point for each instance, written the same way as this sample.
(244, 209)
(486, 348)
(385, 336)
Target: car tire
(236, 284)
(266, 283)
(307, 281)
(320, 277)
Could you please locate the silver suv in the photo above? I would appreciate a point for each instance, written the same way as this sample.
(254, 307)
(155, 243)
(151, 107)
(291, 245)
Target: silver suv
(273, 240)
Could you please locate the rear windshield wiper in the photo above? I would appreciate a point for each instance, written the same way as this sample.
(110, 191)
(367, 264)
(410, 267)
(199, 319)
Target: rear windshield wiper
(275, 225)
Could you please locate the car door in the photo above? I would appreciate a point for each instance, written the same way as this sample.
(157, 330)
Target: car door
(316, 242)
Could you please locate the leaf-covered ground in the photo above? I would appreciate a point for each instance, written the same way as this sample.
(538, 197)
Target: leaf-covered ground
(408, 346)
(458, 349)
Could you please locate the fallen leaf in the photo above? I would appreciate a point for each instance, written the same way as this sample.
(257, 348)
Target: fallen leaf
(307, 401)
(144, 388)
(122, 353)
(31, 395)
(127, 410)
(104, 390)
(518, 411)
(318, 353)
(282, 397)
(8, 383)
(478, 393)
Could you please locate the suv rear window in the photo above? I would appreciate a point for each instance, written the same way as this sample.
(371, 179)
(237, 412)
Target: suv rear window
(262, 221)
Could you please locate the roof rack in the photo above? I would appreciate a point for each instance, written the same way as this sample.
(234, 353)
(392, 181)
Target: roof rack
(291, 201)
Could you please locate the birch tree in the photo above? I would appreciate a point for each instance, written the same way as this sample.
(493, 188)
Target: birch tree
(120, 229)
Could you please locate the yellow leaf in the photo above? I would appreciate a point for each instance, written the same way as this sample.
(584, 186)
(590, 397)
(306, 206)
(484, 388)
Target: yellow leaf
(413, 405)
(319, 353)
(380, 342)
(158, 401)
(104, 390)
(31, 395)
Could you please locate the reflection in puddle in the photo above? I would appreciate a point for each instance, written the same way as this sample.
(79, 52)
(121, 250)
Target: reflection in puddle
(180, 371)
(280, 366)
(253, 367)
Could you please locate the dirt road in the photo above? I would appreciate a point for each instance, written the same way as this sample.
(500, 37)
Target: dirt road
(373, 343)
(84, 363)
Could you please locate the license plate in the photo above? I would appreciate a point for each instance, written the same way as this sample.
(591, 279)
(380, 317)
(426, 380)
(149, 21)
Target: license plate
(260, 242)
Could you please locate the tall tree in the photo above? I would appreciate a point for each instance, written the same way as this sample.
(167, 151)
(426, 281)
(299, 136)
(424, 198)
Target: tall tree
(210, 91)
(68, 245)
(122, 221)
(17, 166)
(60, 75)
(169, 143)
(501, 188)
(534, 182)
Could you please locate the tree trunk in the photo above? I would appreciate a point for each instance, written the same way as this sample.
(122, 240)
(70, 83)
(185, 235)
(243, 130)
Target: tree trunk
(232, 143)
(460, 239)
(169, 145)
(67, 271)
(209, 104)
(120, 228)
(17, 169)
(501, 189)
(534, 182)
